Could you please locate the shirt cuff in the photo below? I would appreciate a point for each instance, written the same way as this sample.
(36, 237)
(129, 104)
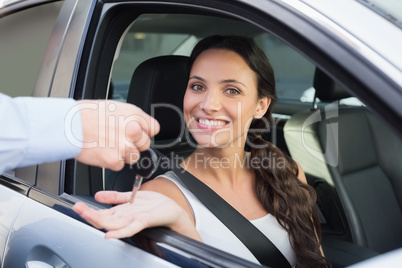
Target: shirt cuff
(55, 129)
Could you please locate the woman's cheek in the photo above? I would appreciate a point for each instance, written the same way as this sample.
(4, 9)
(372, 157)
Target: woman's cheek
(189, 104)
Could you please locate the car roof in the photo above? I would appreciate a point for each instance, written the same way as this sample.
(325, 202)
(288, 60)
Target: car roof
(375, 37)
(4, 3)
(198, 25)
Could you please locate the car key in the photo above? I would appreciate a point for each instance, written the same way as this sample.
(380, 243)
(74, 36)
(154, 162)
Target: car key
(144, 168)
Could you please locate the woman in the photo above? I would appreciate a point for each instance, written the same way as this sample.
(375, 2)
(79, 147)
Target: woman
(228, 102)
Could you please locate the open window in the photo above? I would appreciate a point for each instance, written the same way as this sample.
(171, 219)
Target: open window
(130, 34)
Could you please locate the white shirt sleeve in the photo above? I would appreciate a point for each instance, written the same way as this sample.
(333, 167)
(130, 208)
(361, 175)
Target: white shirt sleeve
(37, 130)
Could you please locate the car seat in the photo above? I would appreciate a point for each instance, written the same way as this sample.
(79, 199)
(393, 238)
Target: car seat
(157, 87)
(350, 149)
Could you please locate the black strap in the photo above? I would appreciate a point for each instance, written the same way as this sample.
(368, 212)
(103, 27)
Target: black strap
(259, 245)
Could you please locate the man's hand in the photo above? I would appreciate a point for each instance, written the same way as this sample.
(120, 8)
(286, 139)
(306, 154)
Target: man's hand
(114, 133)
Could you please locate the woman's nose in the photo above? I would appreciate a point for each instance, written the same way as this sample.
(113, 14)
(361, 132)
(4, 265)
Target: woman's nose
(211, 102)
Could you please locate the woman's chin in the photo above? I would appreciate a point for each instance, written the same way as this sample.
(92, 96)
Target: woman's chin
(213, 144)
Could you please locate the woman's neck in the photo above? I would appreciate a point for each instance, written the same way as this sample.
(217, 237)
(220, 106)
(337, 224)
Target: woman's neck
(221, 165)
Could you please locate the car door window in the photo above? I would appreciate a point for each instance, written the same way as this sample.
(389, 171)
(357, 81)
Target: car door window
(24, 37)
(293, 72)
(136, 47)
(151, 35)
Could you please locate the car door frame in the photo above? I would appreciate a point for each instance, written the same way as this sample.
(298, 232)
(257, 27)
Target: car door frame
(61, 74)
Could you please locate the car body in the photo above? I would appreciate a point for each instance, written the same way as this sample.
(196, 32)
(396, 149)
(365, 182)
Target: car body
(83, 49)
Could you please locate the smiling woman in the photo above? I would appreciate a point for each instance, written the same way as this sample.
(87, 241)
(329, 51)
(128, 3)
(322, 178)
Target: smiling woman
(221, 98)
(230, 89)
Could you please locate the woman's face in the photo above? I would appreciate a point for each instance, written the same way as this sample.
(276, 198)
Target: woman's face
(221, 99)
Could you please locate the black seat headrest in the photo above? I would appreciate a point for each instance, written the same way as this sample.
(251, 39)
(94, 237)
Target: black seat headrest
(159, 81)
(326, 89)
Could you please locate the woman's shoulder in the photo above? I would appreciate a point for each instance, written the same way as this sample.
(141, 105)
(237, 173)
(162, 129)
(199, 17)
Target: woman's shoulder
(170, 186)
(164, 184)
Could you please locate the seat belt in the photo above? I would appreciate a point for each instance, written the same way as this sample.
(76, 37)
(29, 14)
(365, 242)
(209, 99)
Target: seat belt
(258, 244)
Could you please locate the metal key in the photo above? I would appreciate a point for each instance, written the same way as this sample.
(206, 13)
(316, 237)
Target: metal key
(144, 168)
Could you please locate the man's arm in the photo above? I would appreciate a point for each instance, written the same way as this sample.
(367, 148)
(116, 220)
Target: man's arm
(96, 132)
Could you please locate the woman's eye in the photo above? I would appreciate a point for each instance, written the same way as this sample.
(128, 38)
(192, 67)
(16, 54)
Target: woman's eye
(232, 91)
(197, 87)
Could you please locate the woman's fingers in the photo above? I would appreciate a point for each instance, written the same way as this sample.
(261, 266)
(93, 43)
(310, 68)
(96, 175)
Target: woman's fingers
(86, 213)
(104, 218)
(131, 229)
(149, 209)
(112, 197)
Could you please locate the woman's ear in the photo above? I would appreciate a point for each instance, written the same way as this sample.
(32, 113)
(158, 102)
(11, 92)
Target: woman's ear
(262, 107)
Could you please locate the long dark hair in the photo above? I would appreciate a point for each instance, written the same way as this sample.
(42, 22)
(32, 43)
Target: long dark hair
(278, 188)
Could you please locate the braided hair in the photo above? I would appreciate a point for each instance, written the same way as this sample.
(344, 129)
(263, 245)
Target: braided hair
(277, 186)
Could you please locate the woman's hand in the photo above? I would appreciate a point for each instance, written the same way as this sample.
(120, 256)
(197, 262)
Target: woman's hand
(150, 209)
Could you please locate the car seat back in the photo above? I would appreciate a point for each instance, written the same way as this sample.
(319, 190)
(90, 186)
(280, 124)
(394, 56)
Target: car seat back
(157, 87)
(348, 147)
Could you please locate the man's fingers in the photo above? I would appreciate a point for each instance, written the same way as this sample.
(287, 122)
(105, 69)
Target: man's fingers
(116, 165)
(149, 124)
(135, 140)
(132, 155)
(143, 143)
(112, 131)
(137, 136)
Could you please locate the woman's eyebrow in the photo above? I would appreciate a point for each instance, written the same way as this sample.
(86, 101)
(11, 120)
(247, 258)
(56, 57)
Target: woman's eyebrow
(222, 82)
(232, 81)
(197, 77)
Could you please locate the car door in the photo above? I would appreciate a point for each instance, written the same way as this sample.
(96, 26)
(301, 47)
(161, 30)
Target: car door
(35, 229)
(39, 229)
(296, 24)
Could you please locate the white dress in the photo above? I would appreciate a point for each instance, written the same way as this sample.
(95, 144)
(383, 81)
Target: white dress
(214, 233)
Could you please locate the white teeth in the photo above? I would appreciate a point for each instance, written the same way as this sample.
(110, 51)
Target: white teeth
(211, 122)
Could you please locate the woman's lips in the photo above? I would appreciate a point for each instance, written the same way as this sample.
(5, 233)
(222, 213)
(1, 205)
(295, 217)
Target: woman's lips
(209, 123)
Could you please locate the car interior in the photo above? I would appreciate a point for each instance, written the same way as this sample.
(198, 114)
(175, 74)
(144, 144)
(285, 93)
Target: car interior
(159, 76)
(349, 156)
(358, 149)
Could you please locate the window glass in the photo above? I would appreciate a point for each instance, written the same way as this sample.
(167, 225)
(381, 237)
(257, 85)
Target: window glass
(137, 47)
(294, 73)
(389, 9)
(24, 37)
